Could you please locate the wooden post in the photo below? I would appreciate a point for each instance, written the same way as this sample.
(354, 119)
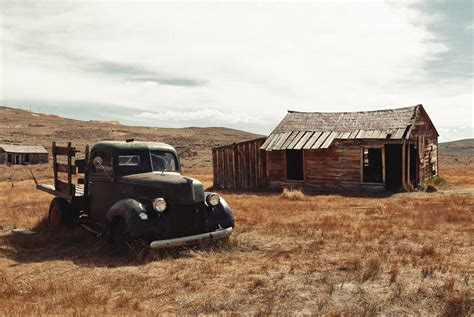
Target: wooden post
(55, 166)
(404, 185)
(69, 169)
(437, 157)
(383, 164)
(86, 173)
(408, 164)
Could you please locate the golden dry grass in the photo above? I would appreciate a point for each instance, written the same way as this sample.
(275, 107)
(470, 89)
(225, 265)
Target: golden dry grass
(409, 253)
(292, 194)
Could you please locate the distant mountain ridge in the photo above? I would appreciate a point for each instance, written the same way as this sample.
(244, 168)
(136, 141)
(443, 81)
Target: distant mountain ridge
(459, 147)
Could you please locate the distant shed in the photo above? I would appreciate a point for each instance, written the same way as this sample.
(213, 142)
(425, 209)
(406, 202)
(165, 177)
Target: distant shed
(384, 149)
(240, 165)
(22, 154)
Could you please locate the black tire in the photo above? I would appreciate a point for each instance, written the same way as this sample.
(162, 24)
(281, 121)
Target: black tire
(120, 235)
(60, 215)
(124, 245)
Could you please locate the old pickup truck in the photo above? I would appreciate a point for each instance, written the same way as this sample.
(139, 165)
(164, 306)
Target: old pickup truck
(132, 191)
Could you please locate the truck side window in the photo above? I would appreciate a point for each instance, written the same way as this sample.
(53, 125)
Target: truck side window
(106, 163)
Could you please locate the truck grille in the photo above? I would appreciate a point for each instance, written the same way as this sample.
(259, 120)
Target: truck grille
(188, 219)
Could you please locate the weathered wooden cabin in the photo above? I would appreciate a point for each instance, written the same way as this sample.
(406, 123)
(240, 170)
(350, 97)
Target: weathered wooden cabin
(22, 154)
(384, 149)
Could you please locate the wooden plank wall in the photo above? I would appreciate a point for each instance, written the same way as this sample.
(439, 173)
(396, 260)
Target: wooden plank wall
(337, 167)
(426, 140)
(240, 166)
(34, 158)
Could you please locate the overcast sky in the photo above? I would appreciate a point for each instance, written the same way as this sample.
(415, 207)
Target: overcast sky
(239, 65)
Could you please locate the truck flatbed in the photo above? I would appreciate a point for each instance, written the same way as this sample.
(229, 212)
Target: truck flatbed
(66, 188)
(50, 189)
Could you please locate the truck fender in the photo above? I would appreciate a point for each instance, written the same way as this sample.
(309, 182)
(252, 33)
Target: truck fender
(222, 213)
(129, 209)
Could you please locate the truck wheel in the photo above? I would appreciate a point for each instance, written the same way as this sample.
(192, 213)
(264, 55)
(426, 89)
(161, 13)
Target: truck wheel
(119, 235)
(60, 214)
(124, 244)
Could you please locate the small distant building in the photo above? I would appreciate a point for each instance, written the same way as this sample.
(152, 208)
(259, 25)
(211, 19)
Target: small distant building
(22, 154)
(394, 149)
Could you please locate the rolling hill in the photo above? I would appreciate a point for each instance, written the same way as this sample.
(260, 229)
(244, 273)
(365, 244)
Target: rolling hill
(461, 147)
(23, 127)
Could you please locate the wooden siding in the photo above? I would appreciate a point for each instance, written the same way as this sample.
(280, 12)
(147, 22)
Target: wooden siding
(240, 166)
(426, 138)
(336, 168)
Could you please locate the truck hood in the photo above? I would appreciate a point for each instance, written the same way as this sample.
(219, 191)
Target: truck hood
(170, 186)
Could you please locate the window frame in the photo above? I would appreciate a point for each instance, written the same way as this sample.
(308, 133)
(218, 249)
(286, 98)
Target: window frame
(382, 150)
(130, 156)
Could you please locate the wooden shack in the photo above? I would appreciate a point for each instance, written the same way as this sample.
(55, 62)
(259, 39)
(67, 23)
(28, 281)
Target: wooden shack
(240, 165)
(22, 154)
(385, 149)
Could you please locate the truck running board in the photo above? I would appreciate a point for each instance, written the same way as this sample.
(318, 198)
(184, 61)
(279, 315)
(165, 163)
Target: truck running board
(189, 240)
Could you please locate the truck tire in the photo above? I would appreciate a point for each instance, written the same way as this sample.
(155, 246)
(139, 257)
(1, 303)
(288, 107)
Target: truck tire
(125, 245)
(119, 234)
(61, 214)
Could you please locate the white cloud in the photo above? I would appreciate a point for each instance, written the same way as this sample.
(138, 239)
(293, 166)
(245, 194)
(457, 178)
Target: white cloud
(255, 59)
(205, 115)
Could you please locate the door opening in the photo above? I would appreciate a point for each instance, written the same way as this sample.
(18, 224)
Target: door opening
(294, 165)
(393, 166)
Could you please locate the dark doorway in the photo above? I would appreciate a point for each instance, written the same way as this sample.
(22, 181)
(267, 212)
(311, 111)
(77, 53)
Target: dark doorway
(372, 172)
(294, 165)
(393, 166)
(413, 165)
(9, 159)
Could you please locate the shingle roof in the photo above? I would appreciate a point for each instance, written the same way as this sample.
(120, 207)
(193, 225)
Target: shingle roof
(10, 148)
(317, 130)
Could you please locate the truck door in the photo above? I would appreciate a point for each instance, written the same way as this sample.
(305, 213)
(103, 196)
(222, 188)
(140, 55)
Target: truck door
(103, 191)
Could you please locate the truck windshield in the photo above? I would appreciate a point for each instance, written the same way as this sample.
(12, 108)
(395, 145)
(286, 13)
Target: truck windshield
(163, 161)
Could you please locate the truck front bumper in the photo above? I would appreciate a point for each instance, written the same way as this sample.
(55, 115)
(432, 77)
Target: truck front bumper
(189, 240)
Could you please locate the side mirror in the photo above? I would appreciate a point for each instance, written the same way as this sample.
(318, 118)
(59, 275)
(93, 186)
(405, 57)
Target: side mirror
(97, 161)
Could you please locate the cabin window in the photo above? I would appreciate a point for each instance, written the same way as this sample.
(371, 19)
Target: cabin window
(294, 165)
(372, 165)
(106, 163)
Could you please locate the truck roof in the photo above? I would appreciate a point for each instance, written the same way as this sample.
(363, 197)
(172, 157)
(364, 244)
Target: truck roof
(133, 145)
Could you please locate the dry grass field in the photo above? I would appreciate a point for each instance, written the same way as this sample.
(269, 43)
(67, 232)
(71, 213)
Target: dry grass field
(408, 253)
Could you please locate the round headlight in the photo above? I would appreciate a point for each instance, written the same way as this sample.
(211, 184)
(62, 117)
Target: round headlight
(213, 199)
(159, 204)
